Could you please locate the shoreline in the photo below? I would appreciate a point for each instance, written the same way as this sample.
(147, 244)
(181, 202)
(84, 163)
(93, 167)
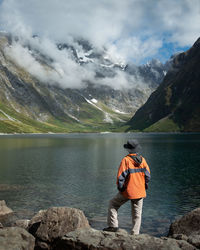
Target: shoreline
(102, 133)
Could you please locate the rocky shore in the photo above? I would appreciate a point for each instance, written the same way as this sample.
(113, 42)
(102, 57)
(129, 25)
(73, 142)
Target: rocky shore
(63, 228)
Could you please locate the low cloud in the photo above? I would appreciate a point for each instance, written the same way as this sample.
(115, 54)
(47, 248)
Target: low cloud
(133, 48)
(141, 27)
(61, 69)
(128, 30)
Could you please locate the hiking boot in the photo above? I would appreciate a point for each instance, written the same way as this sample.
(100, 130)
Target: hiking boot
(111, 229)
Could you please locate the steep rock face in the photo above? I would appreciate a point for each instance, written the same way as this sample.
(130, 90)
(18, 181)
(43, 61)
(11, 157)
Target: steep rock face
(177, 98)
(152, 72)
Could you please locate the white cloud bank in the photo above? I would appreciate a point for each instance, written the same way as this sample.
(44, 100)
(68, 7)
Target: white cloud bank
(129, 29)
(124, 24)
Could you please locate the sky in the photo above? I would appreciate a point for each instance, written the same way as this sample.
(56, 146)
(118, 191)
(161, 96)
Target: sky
(130, 31)
(136, 30)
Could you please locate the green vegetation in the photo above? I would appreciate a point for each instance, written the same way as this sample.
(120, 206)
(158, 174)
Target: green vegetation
(91, 121)
(164, 125)
(168, 96)
(116, 116)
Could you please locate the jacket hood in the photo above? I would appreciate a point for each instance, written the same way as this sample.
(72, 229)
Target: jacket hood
(137, 159)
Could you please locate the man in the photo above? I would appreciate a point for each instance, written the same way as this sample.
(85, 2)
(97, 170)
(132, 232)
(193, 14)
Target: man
(132, 181)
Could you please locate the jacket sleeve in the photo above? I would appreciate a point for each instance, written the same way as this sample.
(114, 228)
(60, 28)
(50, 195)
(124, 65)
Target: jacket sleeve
(122, 175)
(147, 172)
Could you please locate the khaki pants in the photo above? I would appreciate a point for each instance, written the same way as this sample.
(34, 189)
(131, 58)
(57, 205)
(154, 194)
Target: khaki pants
(136, 206)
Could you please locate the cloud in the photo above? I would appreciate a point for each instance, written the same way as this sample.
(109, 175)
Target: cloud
(59, 19)
(128, 22)
(61, 69)
(128, 30)
(181, 20)
(133, 48)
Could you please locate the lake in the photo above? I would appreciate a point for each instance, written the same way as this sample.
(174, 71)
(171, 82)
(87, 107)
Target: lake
(79, 170)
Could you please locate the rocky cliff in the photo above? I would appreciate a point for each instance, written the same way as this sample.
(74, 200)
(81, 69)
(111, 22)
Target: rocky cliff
(175, 105)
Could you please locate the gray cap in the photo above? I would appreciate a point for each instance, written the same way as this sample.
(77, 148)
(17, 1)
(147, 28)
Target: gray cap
(132, 146)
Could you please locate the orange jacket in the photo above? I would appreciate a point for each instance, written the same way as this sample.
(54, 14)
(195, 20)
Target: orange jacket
(133, 175)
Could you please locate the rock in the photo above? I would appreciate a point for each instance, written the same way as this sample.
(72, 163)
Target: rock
(184, 245)
(16, 238)
(35, 222)
(8, 220)
(42, 245)
(194, 240)
(180, 237)
(189, 224)
(187, 228)
(4, 210)
(6, 214)
(21, 223)
(88, 238)
(55, 222)
(1, 226)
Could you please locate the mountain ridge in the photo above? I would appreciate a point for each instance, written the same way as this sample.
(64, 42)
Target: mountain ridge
(94, 107)
(176, 100)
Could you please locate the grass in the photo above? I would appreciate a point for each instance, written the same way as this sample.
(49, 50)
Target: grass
(168, 96)
(114, 115)
(23, 124)
(92, 121)
(164, 125)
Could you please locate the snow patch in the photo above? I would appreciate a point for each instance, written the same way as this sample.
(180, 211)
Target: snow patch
(83, 57)
(73, 117)
(94, 100)
(107, 117)
(118, 111)
(107, 66)
(90, 102)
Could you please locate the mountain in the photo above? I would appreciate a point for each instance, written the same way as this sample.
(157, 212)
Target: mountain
(175, 105)
(38, 91)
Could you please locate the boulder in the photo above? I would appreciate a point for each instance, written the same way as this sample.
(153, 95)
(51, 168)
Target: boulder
(21, 223)
(189, 224)
(7, 215)
(35, 222)
(55, 222)
(89, 238)
(195, 240)
(187, 228)
(16, 238)
(4, 210)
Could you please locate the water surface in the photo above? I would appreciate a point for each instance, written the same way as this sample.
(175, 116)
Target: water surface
(79, 170)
